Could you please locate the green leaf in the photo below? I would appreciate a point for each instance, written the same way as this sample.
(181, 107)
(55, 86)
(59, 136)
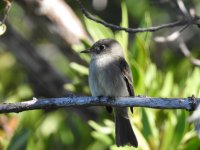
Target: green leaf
(146, 124)
(122, 36)
(167, 85)
(79, 68)
(147, 35)
(101, 133)
(20, 140)
(179, 130)
(105, 139)
(193, 144)
(50, 124)
(140, 51)
(167, 134)
(150, 75)
(141, 44)
(101, 129)
(148, 121)
(97, 31)
(193, 83)
(138, 76)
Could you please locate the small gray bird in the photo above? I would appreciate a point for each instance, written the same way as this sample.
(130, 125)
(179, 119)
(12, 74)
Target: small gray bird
(110, 75)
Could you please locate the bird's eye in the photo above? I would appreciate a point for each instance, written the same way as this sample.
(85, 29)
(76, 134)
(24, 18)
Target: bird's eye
(102, 47)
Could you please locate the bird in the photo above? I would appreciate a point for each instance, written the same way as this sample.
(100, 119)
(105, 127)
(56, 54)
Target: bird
(110, 75)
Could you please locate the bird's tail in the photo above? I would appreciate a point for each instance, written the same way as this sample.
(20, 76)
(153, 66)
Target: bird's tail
(124, 132)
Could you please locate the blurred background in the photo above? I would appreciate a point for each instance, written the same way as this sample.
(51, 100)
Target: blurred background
(39, 57)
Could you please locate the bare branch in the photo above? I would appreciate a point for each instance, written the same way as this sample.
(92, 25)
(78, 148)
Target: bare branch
(177, 23)
(77, 101)
(62, 19)
(183, 9)
(184, 49)
(172, 37)
(53, 18)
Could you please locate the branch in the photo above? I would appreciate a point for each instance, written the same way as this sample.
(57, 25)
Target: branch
(172, 37)
(184, 49)
(59, 18)
(53, 18)
(183, 22)
(76, 101)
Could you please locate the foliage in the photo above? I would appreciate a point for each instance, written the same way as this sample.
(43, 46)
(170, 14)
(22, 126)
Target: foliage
(66, 129)
(172, 125)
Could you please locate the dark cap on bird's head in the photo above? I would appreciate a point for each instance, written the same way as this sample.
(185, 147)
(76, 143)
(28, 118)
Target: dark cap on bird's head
(105, 46)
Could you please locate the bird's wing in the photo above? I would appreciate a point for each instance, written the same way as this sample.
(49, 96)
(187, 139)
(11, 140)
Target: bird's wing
(127, 76)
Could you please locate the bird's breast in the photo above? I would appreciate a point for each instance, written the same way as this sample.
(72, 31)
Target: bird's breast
(105, 78)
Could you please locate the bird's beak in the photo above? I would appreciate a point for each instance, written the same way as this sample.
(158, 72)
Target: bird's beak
(86, 51)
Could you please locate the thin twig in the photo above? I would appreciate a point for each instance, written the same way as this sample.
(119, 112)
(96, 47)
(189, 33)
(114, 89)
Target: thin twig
(184, 49)
(177, 23)
(172, 37)
(183, 9)
(77, 101)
